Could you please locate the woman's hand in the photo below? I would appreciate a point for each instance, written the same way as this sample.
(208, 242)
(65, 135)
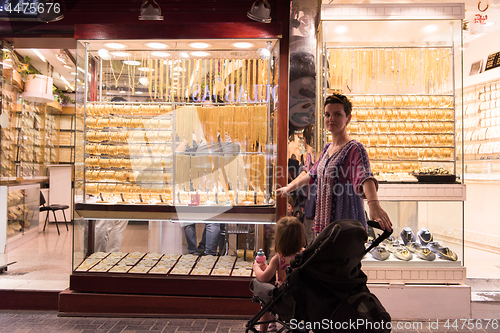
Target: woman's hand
(282, 191)
(379, 215)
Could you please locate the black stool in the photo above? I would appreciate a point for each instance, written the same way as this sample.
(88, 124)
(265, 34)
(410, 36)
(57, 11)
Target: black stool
(52, 208)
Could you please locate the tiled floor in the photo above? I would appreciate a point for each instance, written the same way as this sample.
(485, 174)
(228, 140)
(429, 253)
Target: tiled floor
(47, 321)
(43, 321)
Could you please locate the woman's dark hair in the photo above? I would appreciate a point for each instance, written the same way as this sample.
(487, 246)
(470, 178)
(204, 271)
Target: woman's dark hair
(308, 134)
(340, 99)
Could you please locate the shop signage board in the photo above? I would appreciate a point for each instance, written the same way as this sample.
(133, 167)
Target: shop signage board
(493, 61)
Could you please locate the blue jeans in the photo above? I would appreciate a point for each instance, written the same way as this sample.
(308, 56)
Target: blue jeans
(209, 240)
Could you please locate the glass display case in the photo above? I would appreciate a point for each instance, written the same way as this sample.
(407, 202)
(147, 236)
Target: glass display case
(29, 130)
(402, 94)
(402, 80)
(22, 210)
(170, 136)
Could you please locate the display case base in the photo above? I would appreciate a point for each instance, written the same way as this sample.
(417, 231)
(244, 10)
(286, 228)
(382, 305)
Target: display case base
(424, 304)
(73, 303)
(145, 284)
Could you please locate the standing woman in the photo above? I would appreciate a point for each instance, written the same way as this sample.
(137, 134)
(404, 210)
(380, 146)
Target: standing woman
(342, 173)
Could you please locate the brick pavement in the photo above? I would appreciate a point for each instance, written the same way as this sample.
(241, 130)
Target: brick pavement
(47, 321)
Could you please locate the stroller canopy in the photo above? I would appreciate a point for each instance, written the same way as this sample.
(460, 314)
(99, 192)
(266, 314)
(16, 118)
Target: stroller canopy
(339, 264)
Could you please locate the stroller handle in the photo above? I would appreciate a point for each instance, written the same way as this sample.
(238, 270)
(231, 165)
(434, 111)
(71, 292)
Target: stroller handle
(379, 239)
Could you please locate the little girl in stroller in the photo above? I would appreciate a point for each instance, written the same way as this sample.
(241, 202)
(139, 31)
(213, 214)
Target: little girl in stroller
(325, 289)
(289, 239)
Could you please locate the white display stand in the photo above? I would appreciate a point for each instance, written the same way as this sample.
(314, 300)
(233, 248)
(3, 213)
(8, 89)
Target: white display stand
(60, 191)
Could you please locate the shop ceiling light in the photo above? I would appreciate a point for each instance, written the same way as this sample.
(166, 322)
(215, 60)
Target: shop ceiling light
(184, 55)
(199, 45)
(243, 45)
(264, 53)
(430, 28)
(66, 81)
(120, 54)
(39, 55)
(138, 92)
(341, 29)
(122, 92)
(66, 66)
(260, 11)
(145, 69)
(158, 46)
(150, 11)
(200, 54)
(144, 81)
(116, 46)
(160, 54)
(132, 62)
(104, 54)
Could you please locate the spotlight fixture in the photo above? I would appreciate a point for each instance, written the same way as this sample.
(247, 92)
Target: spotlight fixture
(150, 11)
(199, 45)
(104, 54)
(157, 45)
(6, 47)
(117, 46)
(264, 53)
(243, 45)
(260, 11)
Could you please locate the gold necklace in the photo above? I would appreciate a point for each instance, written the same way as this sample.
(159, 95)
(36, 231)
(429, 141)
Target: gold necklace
(113, 72)
(131, 75)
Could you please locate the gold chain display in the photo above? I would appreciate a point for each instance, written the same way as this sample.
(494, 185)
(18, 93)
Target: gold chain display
(113, 72)
(130, 147)
(402, 108)
(355, 67)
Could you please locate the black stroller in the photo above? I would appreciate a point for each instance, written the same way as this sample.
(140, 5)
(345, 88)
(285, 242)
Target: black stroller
(325, 289)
